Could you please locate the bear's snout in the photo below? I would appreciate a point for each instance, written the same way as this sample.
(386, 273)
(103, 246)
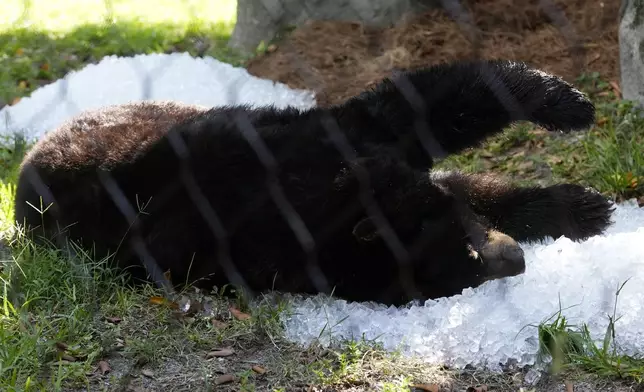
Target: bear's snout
(502, 256)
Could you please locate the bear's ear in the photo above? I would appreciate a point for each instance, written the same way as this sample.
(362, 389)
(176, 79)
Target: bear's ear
(366, 230)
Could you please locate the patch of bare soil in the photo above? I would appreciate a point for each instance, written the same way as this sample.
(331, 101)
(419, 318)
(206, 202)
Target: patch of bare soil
(339, 59)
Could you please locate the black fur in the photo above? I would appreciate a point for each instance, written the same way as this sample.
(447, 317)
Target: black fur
(326, 199)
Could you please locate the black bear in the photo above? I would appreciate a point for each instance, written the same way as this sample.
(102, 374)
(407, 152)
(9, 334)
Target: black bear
(336, 200)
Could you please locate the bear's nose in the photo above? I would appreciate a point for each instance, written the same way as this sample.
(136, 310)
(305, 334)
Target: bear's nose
(513, 257)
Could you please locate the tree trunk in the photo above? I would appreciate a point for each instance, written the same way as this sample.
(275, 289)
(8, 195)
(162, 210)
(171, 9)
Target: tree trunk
(260, 20)
(631, 50)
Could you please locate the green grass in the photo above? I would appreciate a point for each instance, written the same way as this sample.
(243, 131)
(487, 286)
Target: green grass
(47, 304)
(608, 157)
(571, 348)
(612, 158)
(59, 318)
(41, 40)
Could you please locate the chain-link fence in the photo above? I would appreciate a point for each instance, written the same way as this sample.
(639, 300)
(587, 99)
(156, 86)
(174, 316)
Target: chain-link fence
(254, 191)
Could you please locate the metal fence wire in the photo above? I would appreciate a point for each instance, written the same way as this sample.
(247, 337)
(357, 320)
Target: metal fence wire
(335, 133)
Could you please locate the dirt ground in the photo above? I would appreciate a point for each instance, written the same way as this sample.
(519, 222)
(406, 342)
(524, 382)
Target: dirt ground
(286, 368)
(339, 59)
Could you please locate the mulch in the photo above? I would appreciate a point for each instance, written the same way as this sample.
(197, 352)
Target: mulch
(339, 59)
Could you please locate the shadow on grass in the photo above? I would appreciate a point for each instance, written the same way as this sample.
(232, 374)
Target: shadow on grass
(30, 58)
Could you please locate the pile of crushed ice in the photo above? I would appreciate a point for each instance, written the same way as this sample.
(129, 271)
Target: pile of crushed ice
(114, 80)
(482, 327)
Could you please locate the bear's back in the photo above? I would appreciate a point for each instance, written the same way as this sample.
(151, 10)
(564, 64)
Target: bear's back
(108, 136)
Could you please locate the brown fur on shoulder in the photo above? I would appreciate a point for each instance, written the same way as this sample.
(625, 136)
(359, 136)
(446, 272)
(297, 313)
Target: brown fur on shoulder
(144, 123)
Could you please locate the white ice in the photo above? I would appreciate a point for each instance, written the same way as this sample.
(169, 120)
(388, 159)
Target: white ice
(481, 327)
(114, 80)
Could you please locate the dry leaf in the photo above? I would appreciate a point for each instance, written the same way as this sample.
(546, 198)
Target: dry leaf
(15, 100)
(147, 373)
(427, 387)
(61, 346)
(68, 358)
(238, 314)
(538, 131)
(113, 320)
(271, 48)
(487, 154)
(104, 367)
(225, 352)
(157, 300)
(616, 89)
(218, 324)
(554, 160)
(594, 58)
(569, 387)
(224, 379)
(258, 369)
(163, 301)
(20, 51)
(45, 67)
